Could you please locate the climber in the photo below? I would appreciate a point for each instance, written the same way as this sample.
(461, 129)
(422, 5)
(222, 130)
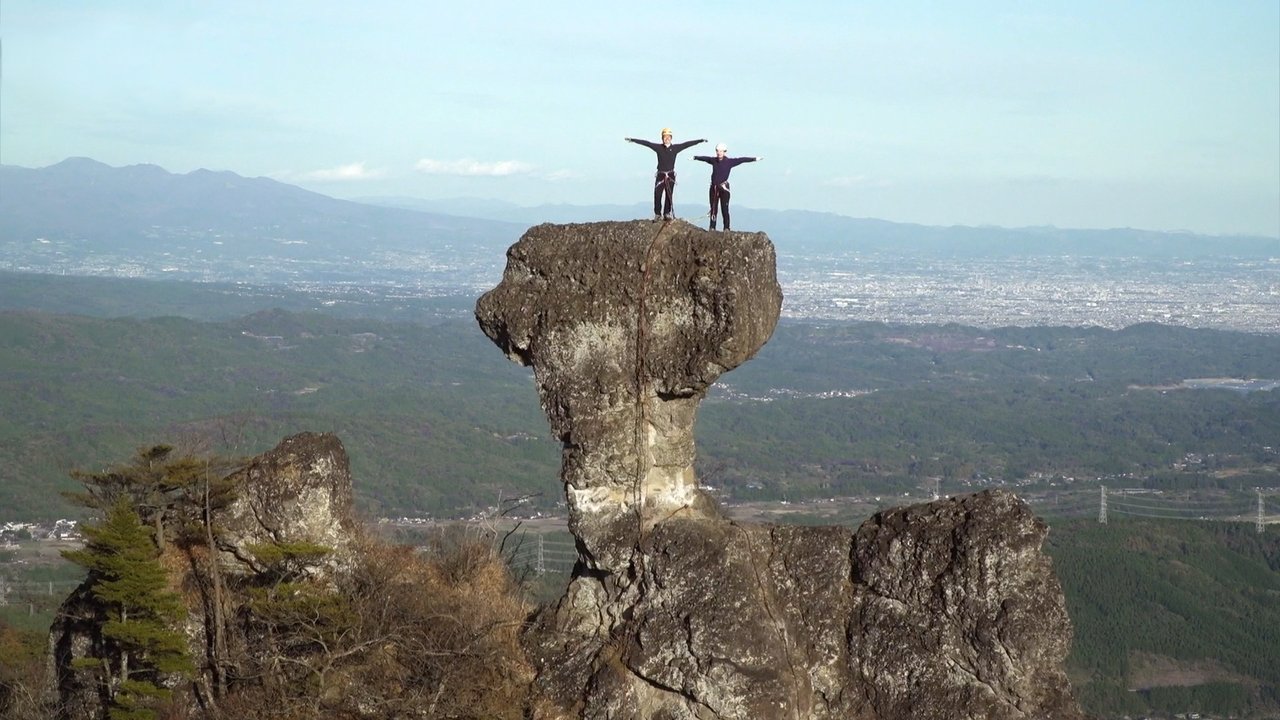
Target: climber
(664, 182)
(719, 192)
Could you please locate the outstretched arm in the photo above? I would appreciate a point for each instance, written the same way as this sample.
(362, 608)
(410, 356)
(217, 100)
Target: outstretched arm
(687, 144)
(645, 143)
(704, 158)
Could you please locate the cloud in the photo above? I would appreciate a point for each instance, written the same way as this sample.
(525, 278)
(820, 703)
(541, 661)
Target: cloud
(468, 166)
(353, 171)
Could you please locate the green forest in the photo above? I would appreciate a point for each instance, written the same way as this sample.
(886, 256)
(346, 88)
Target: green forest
(1172, 617)
(437, 422)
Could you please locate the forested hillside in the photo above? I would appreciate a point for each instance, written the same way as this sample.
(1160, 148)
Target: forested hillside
(437, 421)
(1172, 617)
(433, 419)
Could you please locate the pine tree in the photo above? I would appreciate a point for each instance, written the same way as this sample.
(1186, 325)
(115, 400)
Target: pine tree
(164, 489)
(141, 647)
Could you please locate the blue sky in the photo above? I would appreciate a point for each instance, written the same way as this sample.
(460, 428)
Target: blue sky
(1162, 115)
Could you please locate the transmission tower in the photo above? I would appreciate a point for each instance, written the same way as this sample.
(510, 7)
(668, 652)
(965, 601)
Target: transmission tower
(1102, 507)
(1261, 524)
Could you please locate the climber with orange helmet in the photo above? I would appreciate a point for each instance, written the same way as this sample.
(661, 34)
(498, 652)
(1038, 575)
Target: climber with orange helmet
(664, 182)
(720, 167)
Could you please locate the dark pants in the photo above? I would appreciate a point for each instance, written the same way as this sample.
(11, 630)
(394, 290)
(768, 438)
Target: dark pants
(720, 194)
(664, 183)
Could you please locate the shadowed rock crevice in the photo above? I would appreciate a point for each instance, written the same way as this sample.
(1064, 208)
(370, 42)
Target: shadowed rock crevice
(944, 610)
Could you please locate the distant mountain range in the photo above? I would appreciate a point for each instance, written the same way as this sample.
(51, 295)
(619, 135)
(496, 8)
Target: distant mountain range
(808, 231)
(145, 209)
(83, 198)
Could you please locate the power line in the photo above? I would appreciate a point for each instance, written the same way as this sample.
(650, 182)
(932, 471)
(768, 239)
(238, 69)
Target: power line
(1078, 506)
(1185, 506)
(1136, 514)
(1230, 512)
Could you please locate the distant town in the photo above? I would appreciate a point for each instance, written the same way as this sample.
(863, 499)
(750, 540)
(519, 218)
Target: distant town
(1219, 293)
(11, 533)
(1223, 294)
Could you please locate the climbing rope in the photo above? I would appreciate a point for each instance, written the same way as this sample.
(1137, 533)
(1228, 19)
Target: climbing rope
(642, 330)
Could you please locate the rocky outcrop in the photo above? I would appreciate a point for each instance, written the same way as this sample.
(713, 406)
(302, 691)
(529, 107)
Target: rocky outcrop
(298, 492)
(945, 610)
(626, 325)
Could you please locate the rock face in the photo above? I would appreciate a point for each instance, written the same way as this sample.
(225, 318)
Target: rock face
(300, 491)
(626, 325)
(945, 610)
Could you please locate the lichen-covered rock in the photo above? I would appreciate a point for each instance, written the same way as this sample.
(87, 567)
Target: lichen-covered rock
(957, 607)
(626, 324)
(299, 491)
(945, 610)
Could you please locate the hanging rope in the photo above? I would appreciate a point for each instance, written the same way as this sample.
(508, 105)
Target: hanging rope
(642, 331)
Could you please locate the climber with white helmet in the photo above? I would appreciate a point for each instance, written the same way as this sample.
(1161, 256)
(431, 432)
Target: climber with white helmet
(664, 182)
(720, 167)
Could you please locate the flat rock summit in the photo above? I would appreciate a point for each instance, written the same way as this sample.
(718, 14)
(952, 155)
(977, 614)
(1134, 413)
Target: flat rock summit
(942, 610)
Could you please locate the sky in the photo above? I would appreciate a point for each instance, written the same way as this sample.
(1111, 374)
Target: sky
(1159, 114)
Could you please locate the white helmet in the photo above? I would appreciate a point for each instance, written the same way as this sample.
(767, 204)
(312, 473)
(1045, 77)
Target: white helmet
(721, 147)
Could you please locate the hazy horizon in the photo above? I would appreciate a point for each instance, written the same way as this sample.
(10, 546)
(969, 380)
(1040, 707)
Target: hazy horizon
(443, 204)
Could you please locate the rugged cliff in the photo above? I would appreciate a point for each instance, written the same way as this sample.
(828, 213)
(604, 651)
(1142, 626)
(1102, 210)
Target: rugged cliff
(945, 610)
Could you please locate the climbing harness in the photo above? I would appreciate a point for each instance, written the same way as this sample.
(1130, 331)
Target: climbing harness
(716, 189)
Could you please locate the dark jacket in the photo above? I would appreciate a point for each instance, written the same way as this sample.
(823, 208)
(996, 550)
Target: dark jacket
(666, 154)
(720, 167)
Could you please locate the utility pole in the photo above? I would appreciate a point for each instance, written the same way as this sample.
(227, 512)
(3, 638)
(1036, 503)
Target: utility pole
(542, 568)
(1102, 507)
